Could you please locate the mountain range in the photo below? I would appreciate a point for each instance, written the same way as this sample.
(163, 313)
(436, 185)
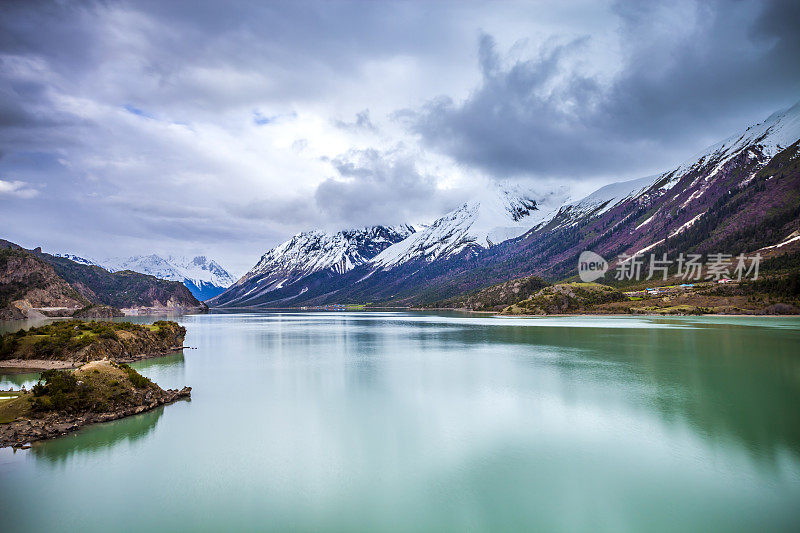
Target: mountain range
(307, 254)
(204, 277)
(739, 195)
(312, 262)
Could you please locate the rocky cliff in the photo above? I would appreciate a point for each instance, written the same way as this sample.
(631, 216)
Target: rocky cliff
(27, 282)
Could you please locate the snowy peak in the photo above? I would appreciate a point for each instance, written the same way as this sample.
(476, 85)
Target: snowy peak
(517, 203)
(506, 212)
(313, 251)
(152, 265)
(200, 269)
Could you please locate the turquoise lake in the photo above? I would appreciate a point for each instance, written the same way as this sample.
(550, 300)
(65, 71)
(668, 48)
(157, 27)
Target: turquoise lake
(406, 421)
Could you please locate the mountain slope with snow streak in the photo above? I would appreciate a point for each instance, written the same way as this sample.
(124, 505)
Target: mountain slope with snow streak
(756, 144)
(765, 139)
(734, 196)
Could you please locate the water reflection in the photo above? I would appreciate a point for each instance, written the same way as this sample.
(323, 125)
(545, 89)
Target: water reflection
(727, 380)
(15, 380)
(97, 437)
(7, 326)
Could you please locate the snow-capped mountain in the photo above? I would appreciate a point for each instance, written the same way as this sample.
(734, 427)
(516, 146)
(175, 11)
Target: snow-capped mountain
(205, 278)
(755, 145)
(497, 216)
(308, 253)
(736, 195)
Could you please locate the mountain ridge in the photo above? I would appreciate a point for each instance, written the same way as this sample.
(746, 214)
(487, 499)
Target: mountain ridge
(204, 277)
(494, 218)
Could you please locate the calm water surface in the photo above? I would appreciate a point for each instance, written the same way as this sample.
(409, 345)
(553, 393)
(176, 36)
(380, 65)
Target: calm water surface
(439, 422)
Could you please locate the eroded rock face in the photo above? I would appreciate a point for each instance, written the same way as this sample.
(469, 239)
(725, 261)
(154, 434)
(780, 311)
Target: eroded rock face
(137, 344)
(27, 283)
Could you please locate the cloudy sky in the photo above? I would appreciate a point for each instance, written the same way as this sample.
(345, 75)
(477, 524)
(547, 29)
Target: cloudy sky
(222, 128)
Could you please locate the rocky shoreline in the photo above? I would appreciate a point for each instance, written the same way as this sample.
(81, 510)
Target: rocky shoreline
(20, 433)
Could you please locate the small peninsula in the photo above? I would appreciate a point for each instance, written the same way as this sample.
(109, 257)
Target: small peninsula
(71, 343)
(66, 400)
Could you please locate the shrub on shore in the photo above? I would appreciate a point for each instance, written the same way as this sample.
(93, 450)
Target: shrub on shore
(86, 390)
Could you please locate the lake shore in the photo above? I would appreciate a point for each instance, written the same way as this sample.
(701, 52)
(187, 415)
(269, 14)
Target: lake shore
(18, 366)
(96, 392)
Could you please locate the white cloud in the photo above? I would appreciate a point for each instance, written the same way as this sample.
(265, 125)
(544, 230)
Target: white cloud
(20, 189)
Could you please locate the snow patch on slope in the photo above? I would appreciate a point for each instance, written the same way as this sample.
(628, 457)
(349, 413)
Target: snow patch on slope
(602, 200)
(79, 259)
(779, 131)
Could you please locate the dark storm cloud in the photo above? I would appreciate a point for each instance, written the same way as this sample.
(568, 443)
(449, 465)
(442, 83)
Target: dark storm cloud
(683, 84)
(204, 53)
(291, 212)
